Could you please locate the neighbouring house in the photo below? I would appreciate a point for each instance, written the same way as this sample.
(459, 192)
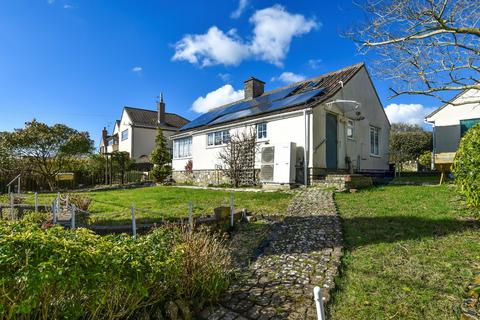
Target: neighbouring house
(450, 123)
(136, 130)
(334, 123)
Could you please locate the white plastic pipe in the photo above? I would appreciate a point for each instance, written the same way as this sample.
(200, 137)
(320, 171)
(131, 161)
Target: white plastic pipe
(317, 295)
(73, 216)
(134, 224)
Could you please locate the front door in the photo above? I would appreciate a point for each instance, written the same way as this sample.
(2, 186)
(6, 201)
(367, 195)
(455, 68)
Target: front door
(331, 143)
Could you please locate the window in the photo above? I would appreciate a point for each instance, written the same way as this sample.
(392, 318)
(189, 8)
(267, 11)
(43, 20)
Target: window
(125, 134)
(111, 142)
(374, 141)
(218, 138)
(350, 129)
(467, 124)
(182, 147)
(262, 130)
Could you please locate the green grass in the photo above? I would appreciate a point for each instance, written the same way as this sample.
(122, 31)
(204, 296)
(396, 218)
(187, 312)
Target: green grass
(409, 253)
(416, 179)
(156, 203)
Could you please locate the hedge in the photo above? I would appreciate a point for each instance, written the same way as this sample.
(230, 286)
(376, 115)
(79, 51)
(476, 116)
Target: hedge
(57, 273)
(466, 166)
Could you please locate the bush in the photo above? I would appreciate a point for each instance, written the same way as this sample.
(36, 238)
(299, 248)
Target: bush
(81, 202)
(426, 159)
(58, 273)
(466, 166)
(36, 217)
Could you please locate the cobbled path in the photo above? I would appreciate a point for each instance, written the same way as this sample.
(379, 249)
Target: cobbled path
(302, 251)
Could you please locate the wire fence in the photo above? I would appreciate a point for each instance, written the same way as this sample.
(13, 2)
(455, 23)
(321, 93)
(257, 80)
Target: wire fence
(81, 180)
(116, 217)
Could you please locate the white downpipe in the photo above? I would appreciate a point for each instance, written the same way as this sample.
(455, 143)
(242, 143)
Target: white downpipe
(305, 148)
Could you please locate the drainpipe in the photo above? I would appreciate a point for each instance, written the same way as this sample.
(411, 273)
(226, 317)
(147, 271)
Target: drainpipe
(305, 148)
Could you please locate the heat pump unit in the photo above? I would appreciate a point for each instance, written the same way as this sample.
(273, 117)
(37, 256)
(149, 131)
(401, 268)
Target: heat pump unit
(284, 167)
(267, 165)
(278, 163)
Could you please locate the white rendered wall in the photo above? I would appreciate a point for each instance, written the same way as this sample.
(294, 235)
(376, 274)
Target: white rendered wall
(452, 114)
(280, 129)
(360, 89)
(125, 123)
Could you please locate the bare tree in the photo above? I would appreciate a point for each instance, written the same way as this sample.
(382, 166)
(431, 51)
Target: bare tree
(427, 47)
(238, 158)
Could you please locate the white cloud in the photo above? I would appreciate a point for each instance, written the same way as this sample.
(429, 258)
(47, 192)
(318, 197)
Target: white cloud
(137, 69)
(221, 96)
(314, 63)
(68, 6)
(274, 29)
(50, 1)
(409, 113)
(242, 4)
(289, 77)
(211, 48)
(226, 77)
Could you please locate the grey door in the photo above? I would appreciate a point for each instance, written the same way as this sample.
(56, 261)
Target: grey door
(331, 143)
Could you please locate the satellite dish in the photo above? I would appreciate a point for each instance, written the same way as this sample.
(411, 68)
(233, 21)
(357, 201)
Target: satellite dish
(344, 105)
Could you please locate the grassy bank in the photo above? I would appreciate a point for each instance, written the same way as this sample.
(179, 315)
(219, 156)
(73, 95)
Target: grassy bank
(409, 253)
(156, 203)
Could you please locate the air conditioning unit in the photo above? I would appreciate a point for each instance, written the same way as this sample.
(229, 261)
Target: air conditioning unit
(267, 166)
(278, 163)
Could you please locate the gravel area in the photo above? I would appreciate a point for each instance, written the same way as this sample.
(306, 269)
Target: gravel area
(300, 252)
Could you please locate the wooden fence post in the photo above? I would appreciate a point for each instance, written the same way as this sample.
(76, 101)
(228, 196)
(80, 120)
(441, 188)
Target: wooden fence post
(134, 225)
(11, 206)
(73, 208)
(190, 215)
(231, 210)
(58, 203)
(54, 212)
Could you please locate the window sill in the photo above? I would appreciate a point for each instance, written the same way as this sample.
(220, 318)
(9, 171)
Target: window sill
(183, 158)
(215, 146)
(375, 156)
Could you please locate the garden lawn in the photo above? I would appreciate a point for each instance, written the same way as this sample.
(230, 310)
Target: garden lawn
(409, 253)
(157, 203)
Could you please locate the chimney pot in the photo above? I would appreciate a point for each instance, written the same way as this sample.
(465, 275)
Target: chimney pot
(253, 88)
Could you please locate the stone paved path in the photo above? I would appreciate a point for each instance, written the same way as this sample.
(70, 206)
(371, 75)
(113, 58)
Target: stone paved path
(301, 252)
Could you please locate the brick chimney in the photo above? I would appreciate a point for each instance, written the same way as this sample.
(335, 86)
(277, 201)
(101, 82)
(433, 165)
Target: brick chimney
(253, 88)
(104, 134)
(161, 110)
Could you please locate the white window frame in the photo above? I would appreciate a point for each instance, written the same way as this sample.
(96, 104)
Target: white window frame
(182, 148)
(124, 135)
(374, 141)
(218, 138)
(350, 126)
(262, 131)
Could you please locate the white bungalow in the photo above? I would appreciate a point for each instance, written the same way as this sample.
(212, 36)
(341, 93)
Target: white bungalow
(450, 123)
(329, 124)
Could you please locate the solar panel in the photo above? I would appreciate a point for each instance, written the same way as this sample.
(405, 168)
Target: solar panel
(295, 99)
(279, 104)
(239, 110)
(202, 120)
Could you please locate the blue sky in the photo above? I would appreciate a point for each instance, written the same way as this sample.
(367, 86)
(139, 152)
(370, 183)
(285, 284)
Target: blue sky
(79, 62)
